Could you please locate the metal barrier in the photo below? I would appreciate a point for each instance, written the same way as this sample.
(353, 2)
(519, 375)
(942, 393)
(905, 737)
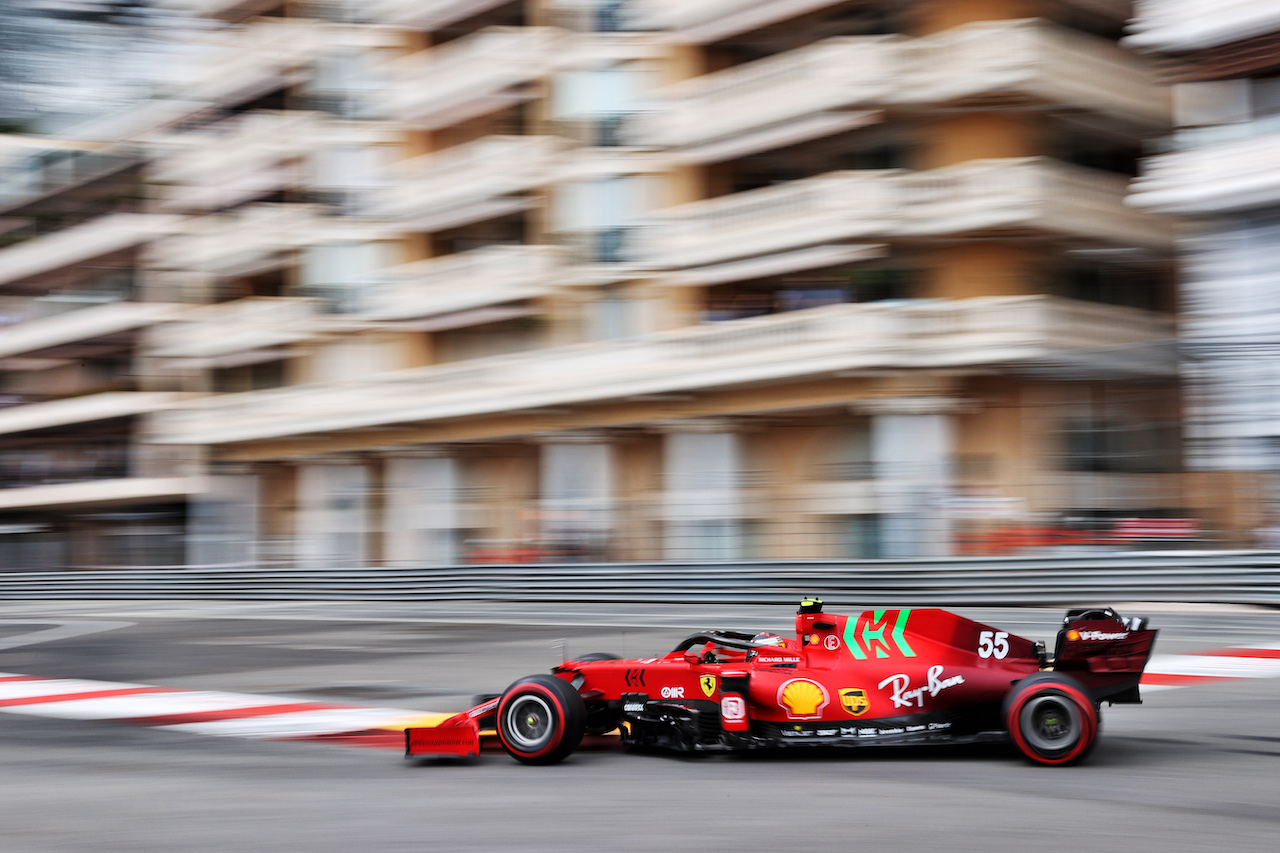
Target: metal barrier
(1232, 577)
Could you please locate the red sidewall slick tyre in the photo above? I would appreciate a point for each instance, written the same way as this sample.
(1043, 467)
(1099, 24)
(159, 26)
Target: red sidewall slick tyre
(1051, 719)
(541, 719)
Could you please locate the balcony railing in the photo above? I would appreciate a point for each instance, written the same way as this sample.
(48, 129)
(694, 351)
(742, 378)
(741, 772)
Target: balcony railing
(705, 21)
(78, 243)
(247, 324)
(476, 74)
(1025, 62)
(247, 62)
(89, 408)
(247, 141)
(234, 244)
(487, 276)
(87, 324)
(43, 467)
(832, 74)
(469, 181)
(113, 491)
(1013, 333)
(424, 14)
(239, 64)
(238, 159)
(979, 196)
(1176, 26)
(1036, 61)
(1035, 193)
(252, 154)
(22, 179)
(834, 206)
(710, 20)
(1232, 175)
(207, 8)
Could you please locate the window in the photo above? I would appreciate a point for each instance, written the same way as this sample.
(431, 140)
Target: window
(703, 496)
(423, 511)
(858, 537)
(345, 173)
(577, 499)
(1105, 445)
(341, 272)
(846, 455)
(611, 315)
(1264, 93)
(593, 105)
(601, 213)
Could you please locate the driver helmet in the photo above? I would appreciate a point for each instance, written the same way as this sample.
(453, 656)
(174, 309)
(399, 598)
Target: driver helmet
(768, 638)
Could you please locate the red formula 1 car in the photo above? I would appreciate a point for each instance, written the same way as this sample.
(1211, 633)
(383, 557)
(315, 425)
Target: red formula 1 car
(882, 677)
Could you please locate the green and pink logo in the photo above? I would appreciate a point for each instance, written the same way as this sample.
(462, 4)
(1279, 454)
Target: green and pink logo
(865, 636)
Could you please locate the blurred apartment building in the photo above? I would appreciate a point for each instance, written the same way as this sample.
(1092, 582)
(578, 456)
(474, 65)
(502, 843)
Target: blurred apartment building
(406, 282)
(1220, 174)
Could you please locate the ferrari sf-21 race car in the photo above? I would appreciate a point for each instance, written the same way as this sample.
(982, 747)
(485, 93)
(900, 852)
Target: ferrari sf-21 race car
(882, 677)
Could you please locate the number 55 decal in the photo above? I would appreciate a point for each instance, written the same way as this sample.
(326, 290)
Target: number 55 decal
(993, 644)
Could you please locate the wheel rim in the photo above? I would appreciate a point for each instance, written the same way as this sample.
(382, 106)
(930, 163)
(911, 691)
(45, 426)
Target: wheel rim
(529, 722)
(1051, 724)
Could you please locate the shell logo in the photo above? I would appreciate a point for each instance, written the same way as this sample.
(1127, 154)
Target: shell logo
(803, 699)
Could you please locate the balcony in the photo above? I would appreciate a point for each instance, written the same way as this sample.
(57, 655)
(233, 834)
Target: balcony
(1008, 197)
(253, 239)
(479, 180)
(78, 410)
(802, 84)
(106, 491)
(86, 324)
(254, 323)
(1179, 26)
(819, 89)
(477, 74)
(238, 159)
(482, 277)
(249, 155)
(1013, 334)
(426, 14)
(1032, 194)
(1236, 174)
(1037, 63)
(703, 21)
(23, 179)
(97, 238)
(834, 206)
(242, 63)
(213, 8)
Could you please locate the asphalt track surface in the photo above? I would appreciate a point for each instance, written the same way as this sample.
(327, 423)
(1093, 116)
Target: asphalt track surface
(1194, 768)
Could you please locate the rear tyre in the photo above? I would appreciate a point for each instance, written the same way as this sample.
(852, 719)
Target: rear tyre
(541, 719)
(1051, 720)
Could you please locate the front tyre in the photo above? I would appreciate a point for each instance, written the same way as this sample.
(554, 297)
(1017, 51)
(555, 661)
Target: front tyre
(541, 719)
(1051, 719)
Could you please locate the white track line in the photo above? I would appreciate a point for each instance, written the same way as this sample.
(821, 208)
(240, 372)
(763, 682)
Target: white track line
(301, 724)
(198, 711)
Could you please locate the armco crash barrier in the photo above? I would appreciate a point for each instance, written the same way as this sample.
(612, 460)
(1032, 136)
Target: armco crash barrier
(1234, 577)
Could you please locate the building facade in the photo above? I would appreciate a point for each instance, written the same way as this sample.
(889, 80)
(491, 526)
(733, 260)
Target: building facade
(475, 280)
(1220, 176)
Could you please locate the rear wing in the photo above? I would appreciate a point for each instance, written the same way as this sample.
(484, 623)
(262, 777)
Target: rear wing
(1105, 652)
